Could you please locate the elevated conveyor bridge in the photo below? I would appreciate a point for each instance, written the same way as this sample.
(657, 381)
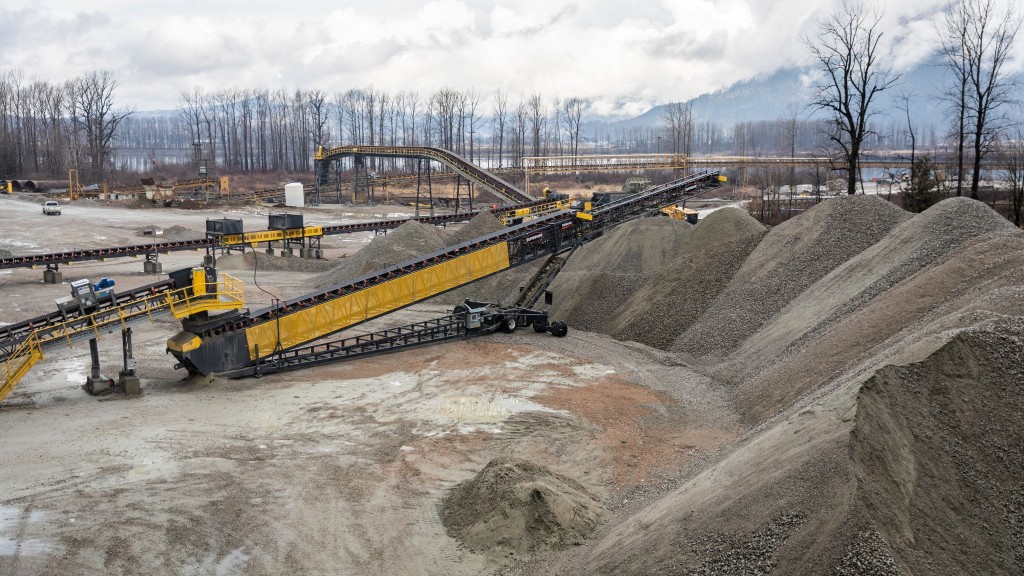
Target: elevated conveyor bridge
(458, 164)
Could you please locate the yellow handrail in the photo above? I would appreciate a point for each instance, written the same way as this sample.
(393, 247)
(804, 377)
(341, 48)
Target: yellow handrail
(19, 363)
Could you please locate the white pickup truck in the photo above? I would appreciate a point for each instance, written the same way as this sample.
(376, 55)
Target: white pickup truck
(51, 208)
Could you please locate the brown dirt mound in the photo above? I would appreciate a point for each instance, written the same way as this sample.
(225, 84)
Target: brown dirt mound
(792, 257)
(482, 224)
(673, 297)
(521, 507)
(603, 274)
(407, 242)
(939, 454)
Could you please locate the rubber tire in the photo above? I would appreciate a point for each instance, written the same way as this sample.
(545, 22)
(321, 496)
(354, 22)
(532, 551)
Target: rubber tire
(538, 327)
(509, 325)
(559, 329)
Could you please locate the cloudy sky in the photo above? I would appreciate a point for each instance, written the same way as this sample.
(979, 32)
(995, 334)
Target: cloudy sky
(623, 55)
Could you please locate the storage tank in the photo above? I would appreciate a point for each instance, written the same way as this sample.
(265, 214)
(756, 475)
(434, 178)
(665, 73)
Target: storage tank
(293, 195)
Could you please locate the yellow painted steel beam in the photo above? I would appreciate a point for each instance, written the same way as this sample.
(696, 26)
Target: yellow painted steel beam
(19, 363)
(308, 324)
(271, 236)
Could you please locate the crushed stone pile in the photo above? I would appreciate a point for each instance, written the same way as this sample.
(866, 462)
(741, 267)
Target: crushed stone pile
(409, 241)
(5, 253)
(482, 224)
(793, 256)
(603, 274)
(171, 234)
(261, 261)
(866, 479)
(922, 241)
(674, 295)
(938, 444)
(517, 506)
(501, 288)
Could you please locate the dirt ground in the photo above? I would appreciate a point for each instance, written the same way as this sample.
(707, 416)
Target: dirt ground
(334, 470)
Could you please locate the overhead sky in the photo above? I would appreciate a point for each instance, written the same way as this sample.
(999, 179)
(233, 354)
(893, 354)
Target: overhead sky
(625, 56)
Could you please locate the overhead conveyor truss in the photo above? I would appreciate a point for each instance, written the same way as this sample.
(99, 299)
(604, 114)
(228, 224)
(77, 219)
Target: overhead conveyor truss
(240, 342)
(460, 165)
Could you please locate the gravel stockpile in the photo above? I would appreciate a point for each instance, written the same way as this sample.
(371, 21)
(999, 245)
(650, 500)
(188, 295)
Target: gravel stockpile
(171, 234)
(922, 241)
(792, 257)
(671, 298)
(938, 444)
(603, 274)
(482, 224)
(502, 287)
(408, 241)
(261, 261)
(519, 507)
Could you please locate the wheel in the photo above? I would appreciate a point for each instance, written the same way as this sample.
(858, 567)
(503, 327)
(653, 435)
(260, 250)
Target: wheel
(509, 324)
(559, 329)
(539, 326)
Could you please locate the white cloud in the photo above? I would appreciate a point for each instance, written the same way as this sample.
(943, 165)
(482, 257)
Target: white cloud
(619, 55)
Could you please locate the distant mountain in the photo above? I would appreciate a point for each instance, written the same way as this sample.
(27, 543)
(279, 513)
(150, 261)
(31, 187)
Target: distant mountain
(786, 91)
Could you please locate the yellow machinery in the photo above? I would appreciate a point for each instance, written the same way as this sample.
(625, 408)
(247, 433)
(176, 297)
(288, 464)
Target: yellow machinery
(680, 213)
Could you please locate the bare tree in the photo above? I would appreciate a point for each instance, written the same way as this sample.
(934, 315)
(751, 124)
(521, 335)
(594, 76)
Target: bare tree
(572, 117)
(977, 45)
(537, 117)
(498, 117)
(1011, 154)
(93, 112)
(845, 52)
(903, 103)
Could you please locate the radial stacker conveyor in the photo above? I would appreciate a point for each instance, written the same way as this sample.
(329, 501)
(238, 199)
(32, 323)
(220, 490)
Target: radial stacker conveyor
(236, 342)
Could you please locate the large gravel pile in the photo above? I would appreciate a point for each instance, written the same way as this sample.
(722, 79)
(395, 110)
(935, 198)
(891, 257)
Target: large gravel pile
(939, 453)
(517, 506)
(502, 287)
(792, 257)
(673, 296)
(917, 243)
(409, 241)
(603, 274)
(261, 261)
(482, 224)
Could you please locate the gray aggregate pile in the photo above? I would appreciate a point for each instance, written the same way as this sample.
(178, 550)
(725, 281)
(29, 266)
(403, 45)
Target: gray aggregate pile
(170, 234)
(672, 296)
(792, 257)
(482, 224)
(261, 261)
(603, 274)
(408, 241)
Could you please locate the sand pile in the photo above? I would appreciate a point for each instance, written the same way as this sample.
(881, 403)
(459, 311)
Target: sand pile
(674, 296)
(261, 261)
(407, 242)
(520, 507)
(482, 224)
(792, 257)
(604, 273)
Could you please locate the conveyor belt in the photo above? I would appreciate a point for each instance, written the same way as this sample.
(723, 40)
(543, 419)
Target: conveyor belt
(54, 327)
(457, 163)
(241, 341)
(85, 255)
